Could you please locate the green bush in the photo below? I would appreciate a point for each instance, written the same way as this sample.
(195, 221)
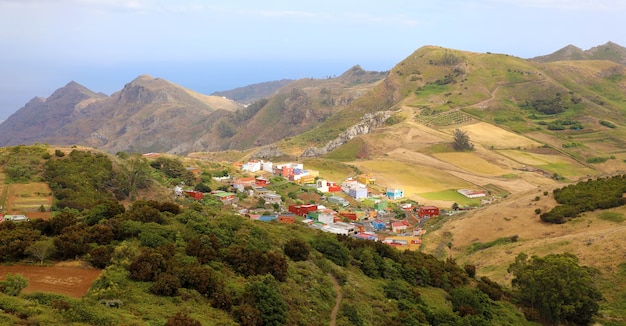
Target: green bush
(13, 284)
(557, 287)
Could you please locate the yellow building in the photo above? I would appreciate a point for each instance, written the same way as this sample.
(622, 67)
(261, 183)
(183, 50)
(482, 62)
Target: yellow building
(366, 179)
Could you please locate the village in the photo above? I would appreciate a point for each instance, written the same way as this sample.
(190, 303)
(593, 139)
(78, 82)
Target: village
(356, 207)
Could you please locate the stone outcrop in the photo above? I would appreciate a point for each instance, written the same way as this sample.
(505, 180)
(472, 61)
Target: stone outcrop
(368, 122)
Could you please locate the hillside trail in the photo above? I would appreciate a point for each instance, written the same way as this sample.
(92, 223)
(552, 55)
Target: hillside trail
(339, 297)
(484, 103)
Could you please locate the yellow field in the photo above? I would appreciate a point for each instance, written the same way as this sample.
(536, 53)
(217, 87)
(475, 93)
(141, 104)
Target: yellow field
(491, 136)
(414, 179)
(472, 162)
(553, 163)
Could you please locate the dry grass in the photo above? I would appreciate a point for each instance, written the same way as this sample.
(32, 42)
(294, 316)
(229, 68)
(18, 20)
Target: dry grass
(28, 198)
(596, 242)
(490, 136)
(473, 163)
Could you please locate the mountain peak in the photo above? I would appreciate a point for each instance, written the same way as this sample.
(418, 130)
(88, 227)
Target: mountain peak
(608, 51)
(73, 90)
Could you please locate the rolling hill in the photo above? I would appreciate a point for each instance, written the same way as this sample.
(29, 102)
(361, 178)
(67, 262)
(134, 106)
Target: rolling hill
(535, 126)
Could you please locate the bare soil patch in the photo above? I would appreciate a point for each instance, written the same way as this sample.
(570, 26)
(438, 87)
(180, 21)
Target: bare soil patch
(70, 281)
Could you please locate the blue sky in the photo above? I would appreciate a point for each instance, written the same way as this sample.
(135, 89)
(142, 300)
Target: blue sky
(209, 46)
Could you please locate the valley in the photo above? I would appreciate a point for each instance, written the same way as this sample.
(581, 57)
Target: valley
(535, 126)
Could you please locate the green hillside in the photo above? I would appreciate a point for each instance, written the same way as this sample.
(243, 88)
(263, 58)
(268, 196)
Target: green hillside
(175, 259)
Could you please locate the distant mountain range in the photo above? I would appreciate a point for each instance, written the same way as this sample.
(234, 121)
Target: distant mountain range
(153, 115)
(608, 51)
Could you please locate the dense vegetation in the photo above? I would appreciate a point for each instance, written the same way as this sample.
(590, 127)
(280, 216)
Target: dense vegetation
(556, 288)
(601, 193)
(201, 264)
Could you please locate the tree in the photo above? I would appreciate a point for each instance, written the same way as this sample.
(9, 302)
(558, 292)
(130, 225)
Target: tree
(470, 301)
(461, 141)
(166, 285)
(41, 249)
(13, 284)
(263, 294)
(557, 287)
(296, 249)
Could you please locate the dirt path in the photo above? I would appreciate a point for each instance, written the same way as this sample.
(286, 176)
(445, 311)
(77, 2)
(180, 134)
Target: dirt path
(337, 287)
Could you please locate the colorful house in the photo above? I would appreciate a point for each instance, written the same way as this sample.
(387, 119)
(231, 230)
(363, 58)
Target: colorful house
(367, 236)
(324, 216)
(366, 179)
(268, 218)
(379, 225)
(358, 193)
(225, 197)
(333, 187)
(395, 193)
(427, 211)
(194, 194)
(302, 210)
(349, 215)
(261, 181)
(241, 183)
(327, 186)
(399, 226)
(376, 203)
(354, 189)
(251, 166)
(288, 218)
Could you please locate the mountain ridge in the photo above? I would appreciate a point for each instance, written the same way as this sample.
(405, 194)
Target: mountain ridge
(147, 106)
(608, 51)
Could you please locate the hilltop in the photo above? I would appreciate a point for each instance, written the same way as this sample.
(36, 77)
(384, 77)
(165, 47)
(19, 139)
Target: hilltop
(608, 51)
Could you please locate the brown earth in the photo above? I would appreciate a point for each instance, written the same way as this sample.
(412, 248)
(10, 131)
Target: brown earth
(66, 280)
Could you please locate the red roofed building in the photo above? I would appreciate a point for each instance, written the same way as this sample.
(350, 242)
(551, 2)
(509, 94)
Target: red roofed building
(399, 226)
(194, 194)
(427, 211)
(302, 210)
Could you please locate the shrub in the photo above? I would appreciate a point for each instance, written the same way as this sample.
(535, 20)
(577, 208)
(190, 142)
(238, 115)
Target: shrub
(332, 249)
(470, 270)
(182, 319)
(296, 249)
(166, 285)
(607, 124)
(13, 284)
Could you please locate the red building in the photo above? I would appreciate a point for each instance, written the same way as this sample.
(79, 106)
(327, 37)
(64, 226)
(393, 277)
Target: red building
(284, 171)
(349, 215)
(194, 194)
(333, 187)
(287, 218)
(302, 210)
(262, 181)
(427, 211)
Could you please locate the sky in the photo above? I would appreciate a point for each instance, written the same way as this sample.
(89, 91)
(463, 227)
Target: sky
(212, 45)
